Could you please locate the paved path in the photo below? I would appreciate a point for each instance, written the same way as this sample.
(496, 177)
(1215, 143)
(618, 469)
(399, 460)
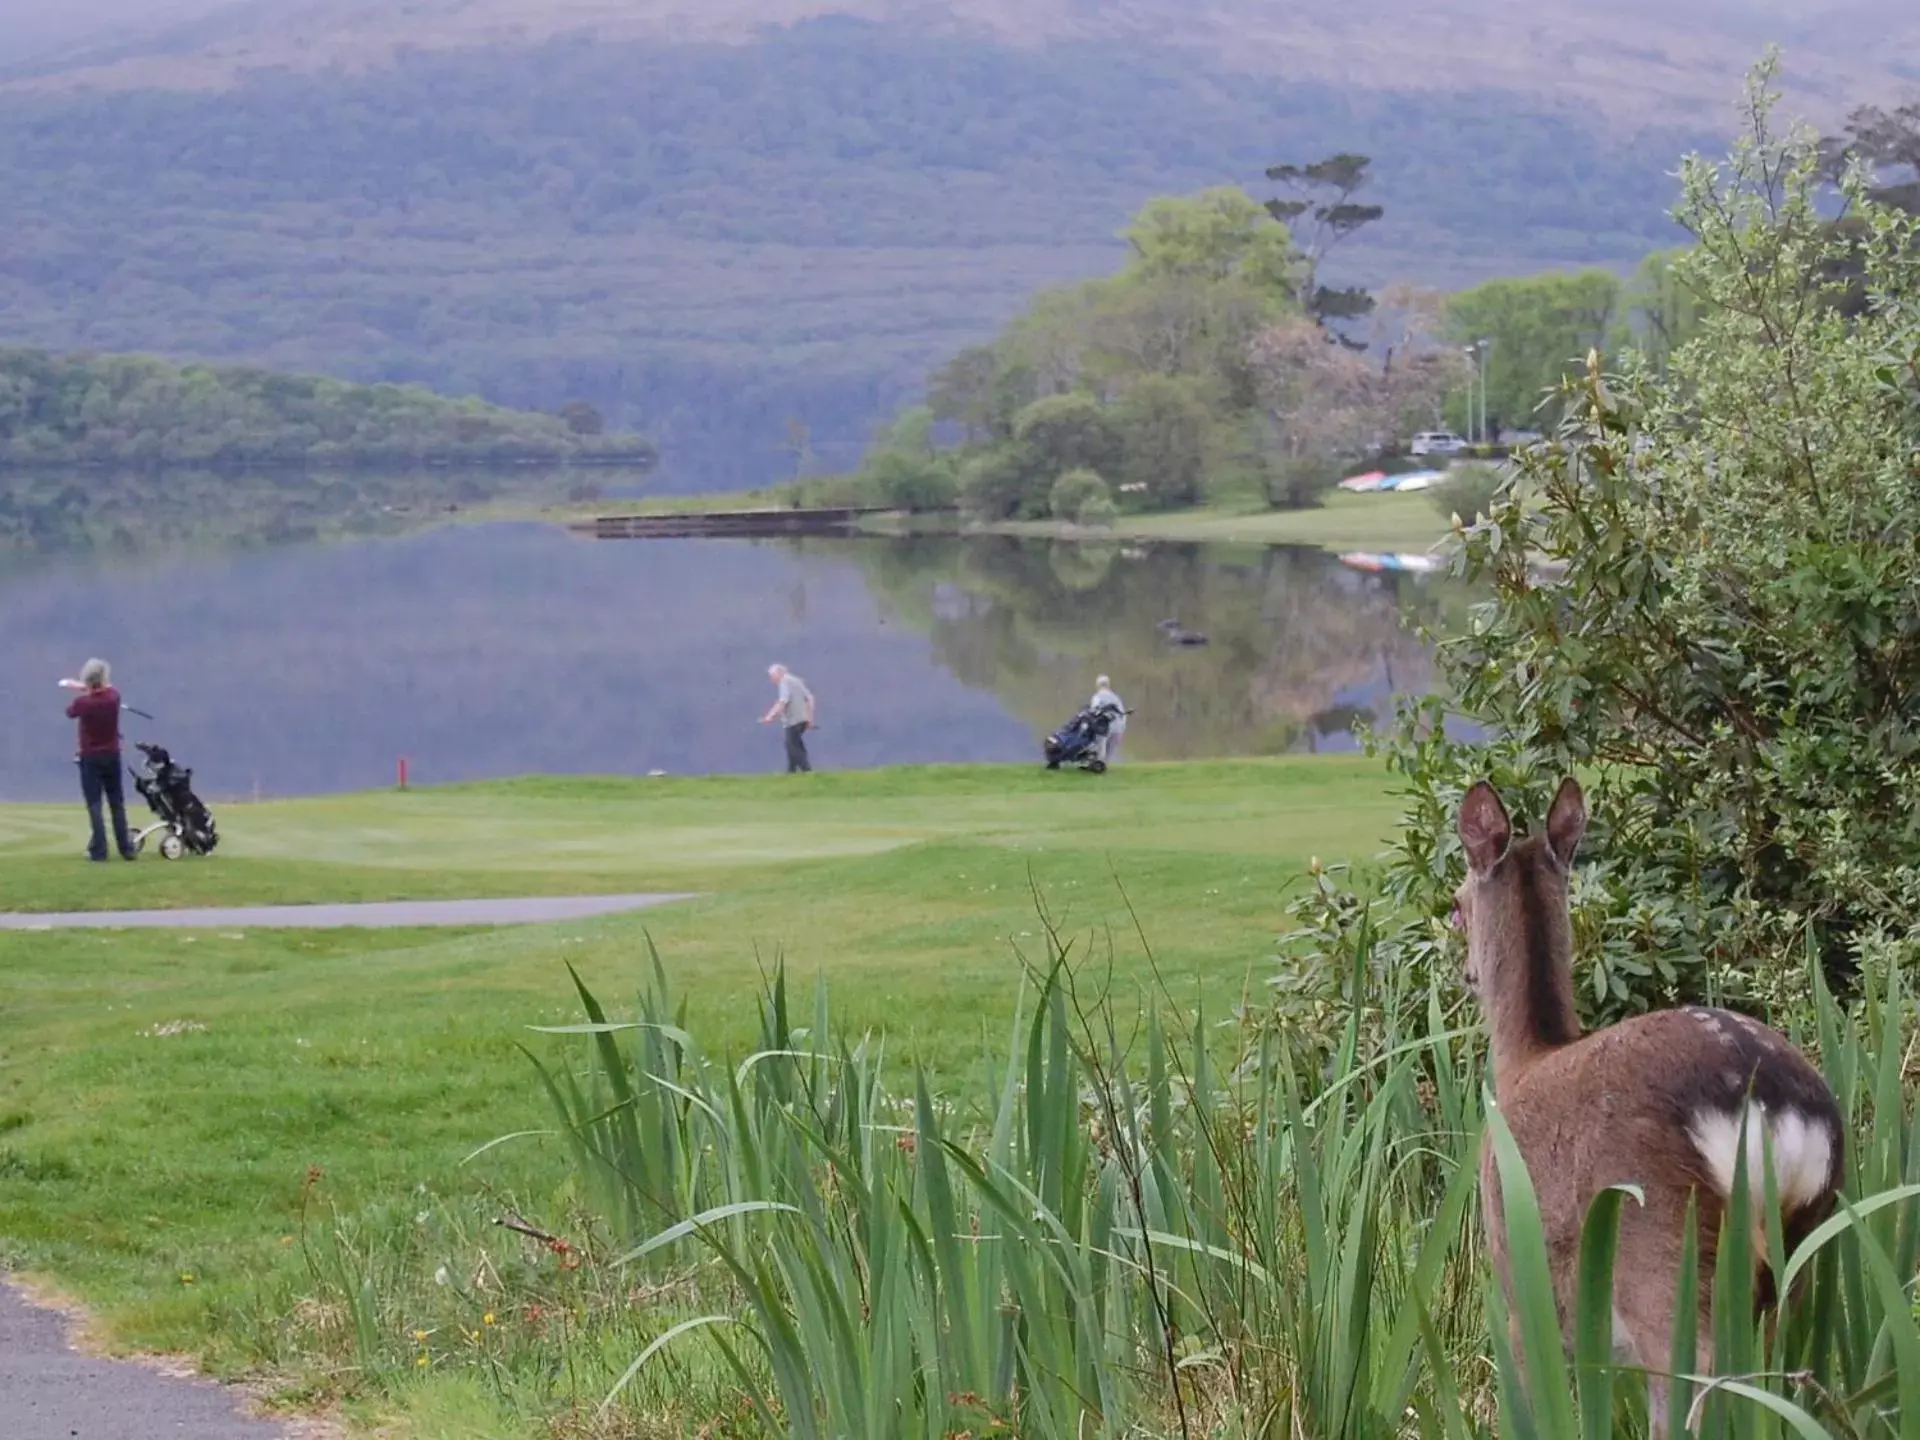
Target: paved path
(50, 1391)
(530, 911)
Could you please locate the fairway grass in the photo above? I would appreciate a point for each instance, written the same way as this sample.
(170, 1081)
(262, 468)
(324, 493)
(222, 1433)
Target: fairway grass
(170, 1100)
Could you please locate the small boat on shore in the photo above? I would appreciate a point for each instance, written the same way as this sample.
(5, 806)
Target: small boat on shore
(1401, 562)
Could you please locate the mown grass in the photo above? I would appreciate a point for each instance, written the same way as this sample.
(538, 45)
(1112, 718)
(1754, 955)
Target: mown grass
(745, 1210)
(356, 1069)
(1342, 521)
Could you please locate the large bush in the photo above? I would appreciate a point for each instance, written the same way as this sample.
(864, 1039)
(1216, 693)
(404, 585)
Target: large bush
(1003, 483)
(916, 481)
(1163, 426)
(1072, 491)
(1069, 432)
(1705, 595)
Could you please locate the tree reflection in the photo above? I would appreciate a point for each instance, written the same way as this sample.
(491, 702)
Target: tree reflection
(77, 511)
(1299, 647)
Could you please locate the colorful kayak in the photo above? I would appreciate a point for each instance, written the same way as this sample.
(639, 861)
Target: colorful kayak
(1375, 563)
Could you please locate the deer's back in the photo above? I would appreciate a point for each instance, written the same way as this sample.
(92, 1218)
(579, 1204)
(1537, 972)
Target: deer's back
(1658, 1100)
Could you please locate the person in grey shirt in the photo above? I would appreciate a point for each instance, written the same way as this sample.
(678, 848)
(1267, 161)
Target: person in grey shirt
(794, 709)
(1103, 694)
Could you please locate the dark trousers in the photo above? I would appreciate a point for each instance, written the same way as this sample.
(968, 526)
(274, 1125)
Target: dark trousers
(797, 762)
(100, 779)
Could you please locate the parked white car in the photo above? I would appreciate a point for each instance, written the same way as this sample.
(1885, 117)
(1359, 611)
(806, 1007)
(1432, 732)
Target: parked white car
(1436, 442)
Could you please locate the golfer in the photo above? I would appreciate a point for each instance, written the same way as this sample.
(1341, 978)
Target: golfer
(794, 709)
(1103, 694)
(97, 709)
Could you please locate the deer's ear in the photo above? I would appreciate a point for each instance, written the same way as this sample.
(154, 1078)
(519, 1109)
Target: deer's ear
(1566, 822)
(1485, 829)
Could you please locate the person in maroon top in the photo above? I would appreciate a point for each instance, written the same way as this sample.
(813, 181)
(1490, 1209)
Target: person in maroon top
(97, 709)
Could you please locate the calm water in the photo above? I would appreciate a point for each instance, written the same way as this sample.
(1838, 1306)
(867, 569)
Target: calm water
(311, 665)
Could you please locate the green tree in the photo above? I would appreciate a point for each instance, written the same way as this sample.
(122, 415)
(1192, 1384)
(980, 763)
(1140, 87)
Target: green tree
(1540, 328)
(1069, 432)
(1705, 595)
(1323, 198)
(917, 481)
(1164, 429)
(1003, 483)
(1887, 141)
(981, 392)
(1659, 311)
(1214, 235)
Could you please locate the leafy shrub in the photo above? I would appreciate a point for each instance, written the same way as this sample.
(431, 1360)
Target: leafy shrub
(914, 481)
(1073, 490)
(1299, 482)
(1096, 511)
(1710, 602)
(1002, 484)
(1069, 432)
(1468, 491)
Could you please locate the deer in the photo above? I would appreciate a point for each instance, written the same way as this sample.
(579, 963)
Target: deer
(1660, 1101)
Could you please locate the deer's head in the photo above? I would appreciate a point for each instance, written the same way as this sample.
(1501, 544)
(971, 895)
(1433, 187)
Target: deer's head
(1513, 907)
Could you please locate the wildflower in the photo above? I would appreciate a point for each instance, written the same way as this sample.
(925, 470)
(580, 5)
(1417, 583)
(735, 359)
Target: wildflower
(186, 1277)
(487, 1319)
(421, 1362)
(441, 1277)
(421, 1336)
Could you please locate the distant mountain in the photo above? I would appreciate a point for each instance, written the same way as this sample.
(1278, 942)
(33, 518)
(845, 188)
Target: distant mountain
(1640, 60)
(714, 217)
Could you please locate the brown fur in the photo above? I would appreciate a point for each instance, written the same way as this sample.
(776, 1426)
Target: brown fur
(1613, 1107)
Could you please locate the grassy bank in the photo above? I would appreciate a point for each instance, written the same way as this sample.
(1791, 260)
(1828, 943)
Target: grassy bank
(1342, 522)
(162, 1171)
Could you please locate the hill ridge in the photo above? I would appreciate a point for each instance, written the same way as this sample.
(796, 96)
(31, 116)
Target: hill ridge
(1635, 61)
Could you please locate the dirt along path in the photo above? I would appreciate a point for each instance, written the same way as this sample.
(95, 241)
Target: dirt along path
(530, 910)
(51, 1389)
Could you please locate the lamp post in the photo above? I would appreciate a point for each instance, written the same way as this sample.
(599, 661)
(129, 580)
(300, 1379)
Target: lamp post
(1472, 352)
(1481, 346)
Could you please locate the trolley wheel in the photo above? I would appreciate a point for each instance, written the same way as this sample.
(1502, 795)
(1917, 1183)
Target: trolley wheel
(1096, 767)
(171, 848)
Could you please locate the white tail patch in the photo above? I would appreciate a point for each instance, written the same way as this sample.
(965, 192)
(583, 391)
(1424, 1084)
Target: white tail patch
(1802, 1153)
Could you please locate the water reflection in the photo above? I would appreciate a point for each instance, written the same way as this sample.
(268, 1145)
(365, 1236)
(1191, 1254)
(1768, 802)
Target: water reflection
(48, 513)
(1298, 647)
(487, 650)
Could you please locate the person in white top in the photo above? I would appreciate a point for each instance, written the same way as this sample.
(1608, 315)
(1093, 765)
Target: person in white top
(1103, 694)
(794, 708)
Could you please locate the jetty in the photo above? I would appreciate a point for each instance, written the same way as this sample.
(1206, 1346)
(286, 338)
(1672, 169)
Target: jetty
(739, 524)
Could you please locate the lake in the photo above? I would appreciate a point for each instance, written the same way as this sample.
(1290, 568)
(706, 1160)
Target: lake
(299, 663)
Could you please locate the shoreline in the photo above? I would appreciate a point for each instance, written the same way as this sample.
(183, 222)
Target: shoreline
(1342, 522)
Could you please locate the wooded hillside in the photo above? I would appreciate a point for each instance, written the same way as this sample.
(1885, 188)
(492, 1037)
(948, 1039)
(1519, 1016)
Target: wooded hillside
(132, 411)
(710, 240)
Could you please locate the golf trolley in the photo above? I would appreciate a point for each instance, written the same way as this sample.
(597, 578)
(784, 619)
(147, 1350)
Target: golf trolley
(183, 823)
